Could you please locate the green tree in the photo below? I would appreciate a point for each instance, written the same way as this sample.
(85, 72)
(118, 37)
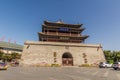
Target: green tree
(15, 56)
(1, 54)
(107, 54)
(117, 58)
(112, 55)
(6, 57)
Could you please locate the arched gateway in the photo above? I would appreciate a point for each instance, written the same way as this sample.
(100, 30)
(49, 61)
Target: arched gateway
(67, 59)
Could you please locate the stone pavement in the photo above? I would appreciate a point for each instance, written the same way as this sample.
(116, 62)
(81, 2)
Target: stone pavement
(59, 73)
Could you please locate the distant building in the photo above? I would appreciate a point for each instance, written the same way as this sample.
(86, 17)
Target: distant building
(62, 44)
(9, 48)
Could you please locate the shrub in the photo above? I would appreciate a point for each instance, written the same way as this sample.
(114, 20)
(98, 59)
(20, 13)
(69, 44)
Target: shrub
(85, 65)
(55, 65)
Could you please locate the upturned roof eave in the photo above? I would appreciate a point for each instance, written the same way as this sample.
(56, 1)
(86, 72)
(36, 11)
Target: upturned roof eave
(61, 26)
(10, 45)
(84, 36)
(75, 25)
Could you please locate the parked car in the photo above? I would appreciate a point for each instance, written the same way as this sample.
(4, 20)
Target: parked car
(3, 66)
(116, 65)
(105, 65)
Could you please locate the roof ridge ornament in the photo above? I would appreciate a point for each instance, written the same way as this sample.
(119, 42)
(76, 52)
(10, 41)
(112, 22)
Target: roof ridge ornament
(60, 21)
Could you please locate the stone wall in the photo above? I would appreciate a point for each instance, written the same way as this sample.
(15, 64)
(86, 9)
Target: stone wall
(41, 53)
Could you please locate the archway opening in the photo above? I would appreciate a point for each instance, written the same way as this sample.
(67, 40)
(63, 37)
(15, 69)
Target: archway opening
(67, 59)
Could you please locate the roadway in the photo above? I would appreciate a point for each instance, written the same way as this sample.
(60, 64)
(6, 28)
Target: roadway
(59, 73)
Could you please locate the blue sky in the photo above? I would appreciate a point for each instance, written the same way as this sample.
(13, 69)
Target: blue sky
(21, 20)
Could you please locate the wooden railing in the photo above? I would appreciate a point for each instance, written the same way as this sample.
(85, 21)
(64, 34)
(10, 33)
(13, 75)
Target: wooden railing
(65, 34)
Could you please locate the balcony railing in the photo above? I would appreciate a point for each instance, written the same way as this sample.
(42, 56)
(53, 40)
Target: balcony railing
(64, 34)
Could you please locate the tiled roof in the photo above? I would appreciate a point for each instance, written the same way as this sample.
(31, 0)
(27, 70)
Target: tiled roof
(11, 45)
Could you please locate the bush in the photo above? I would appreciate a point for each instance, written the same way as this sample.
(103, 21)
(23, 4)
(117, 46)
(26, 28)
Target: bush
(85, 65)
(55, 65)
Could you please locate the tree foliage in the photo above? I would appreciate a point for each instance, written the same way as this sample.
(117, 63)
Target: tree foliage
(15, 55)
(1, 54)
(112, 55)
(9, 57)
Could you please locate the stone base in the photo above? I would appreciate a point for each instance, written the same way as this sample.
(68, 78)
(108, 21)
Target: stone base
(61, 54)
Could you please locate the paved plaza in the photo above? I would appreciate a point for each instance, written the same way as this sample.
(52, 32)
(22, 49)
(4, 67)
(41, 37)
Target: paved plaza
(59, 73)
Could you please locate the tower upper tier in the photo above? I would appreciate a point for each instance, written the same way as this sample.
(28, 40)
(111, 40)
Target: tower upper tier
(62, 32)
